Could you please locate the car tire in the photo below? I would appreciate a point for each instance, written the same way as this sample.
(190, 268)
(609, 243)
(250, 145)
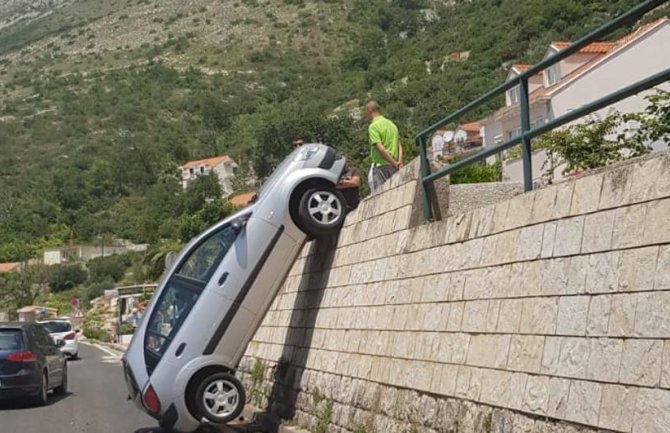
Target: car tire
(321, 211)
(62, 389)
(42, 395)
(75, 356)
(220, 398)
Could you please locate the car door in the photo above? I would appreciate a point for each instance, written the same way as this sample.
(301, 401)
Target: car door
(54, 359)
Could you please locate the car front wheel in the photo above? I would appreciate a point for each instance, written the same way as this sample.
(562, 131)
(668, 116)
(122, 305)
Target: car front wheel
(321, 211)
(220, 398)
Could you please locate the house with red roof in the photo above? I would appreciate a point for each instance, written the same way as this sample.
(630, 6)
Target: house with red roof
(596, 70)
(223, 166)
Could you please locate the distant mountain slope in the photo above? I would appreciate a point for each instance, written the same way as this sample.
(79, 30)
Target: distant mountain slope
(100, 100)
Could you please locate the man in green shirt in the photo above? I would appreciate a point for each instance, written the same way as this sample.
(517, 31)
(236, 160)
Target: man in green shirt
(385, 149)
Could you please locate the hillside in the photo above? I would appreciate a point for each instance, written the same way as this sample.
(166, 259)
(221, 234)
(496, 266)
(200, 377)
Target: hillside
(101, 100)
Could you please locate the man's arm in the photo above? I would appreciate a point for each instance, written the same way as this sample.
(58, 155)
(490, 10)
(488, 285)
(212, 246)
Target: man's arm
(384, 154)
(400, 155)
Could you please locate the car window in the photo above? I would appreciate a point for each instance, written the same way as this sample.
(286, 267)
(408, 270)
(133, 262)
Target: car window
(172, 308)
(42, 337)
(202, 262)
(11, 340)
(57, 327)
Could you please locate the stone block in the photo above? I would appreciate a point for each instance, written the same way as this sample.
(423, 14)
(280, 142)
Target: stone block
(435, 288)
(572, 315)
(651, 179)
(652, 411)
(628, 226)
(530, 242)
(453, 348)
(510, 316)
(455, 316)
(469, 382)
(517, 390)
(576, 278)
(559, 392)
(599, 315)
(551, 355)
(548, 239)
(657, 223)
(488, 350)
(543, 205)
(446, 375)
(605, 359)
(530, 280)
(637, 270)
(525, 353)
(520, 209)
(652, 317)
(618, 407)
(602, 272)
(507, 247)
(665, 367)
(569, 236)
(586, 194)
(598, 229)
(641, 362)
(500, 217)
(539, 316)
(574, 358)
(662, 277)
(496, 387)
(536, 397)
(622, 315)
(584, 402)
(616, 187)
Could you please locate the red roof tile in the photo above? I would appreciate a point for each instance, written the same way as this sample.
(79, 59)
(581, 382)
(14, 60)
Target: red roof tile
(241, 200)
(8, 267)
(208, 162)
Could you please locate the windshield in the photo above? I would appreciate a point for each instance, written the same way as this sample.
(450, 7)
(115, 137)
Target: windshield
(57, 327)
(183, 290)
(11, 340)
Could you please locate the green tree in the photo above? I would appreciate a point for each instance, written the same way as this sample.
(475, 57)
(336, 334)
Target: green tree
(64, 277)
(111, 268)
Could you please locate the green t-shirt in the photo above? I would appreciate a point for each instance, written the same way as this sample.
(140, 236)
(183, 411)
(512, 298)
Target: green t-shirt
(383, 131)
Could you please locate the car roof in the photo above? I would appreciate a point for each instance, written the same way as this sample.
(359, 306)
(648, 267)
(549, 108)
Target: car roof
(14, 324)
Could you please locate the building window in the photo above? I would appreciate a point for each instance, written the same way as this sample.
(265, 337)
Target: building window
(512, 134)
(190, 170)
(513, 95)
(202, 170)
(552, 74)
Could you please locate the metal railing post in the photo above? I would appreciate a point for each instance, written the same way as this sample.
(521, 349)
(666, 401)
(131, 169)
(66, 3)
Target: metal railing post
(425, 171)
(526, 151)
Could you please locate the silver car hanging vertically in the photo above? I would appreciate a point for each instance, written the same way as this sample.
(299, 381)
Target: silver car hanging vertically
(180, 364)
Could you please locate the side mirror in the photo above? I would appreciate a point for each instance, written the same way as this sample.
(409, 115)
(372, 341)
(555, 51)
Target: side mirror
(240, 223)
(77, 331)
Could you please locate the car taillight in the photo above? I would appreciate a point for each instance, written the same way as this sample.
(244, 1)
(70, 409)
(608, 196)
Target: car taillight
(69, 336)
(21, 357)
(151, 401)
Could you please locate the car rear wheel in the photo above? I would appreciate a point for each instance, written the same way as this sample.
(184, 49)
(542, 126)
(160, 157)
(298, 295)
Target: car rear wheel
(321, 211)
(220, 398)
(41, 397)
(62, 389)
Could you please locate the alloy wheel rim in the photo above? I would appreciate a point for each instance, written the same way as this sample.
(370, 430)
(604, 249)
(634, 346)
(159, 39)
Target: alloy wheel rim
(324, 207)
(221, 398)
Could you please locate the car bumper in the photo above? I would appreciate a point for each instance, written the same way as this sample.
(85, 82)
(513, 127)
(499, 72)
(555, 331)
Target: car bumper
(24, 383)
(71, 347)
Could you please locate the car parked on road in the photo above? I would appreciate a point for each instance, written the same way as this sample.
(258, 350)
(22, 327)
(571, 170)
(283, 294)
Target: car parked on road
(180, 364)
(31, 363)
(62, 330)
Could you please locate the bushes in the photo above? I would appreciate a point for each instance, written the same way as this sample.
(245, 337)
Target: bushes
(64, 277)
(478, 174)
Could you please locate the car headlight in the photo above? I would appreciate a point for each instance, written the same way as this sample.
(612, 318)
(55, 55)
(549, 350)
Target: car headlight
(305, 152)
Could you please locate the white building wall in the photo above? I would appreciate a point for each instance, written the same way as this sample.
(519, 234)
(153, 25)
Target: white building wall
(225, 173)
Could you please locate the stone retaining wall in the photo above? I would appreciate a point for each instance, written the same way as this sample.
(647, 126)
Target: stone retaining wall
(549, 312)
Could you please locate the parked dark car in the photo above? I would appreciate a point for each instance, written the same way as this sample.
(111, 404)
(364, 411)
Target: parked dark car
(31, 363)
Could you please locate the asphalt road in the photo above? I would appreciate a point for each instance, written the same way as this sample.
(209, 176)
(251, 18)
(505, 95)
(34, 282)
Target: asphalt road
(95, 403)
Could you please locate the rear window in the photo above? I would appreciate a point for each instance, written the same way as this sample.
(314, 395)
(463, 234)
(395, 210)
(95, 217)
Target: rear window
(57, 327)
(11, 339)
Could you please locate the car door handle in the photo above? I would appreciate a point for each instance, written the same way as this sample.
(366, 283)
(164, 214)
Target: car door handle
(223, 278)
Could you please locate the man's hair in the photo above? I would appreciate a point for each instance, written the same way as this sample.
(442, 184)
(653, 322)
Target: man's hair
(373, 106)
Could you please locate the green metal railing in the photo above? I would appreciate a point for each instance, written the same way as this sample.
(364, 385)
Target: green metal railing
(528, 133)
